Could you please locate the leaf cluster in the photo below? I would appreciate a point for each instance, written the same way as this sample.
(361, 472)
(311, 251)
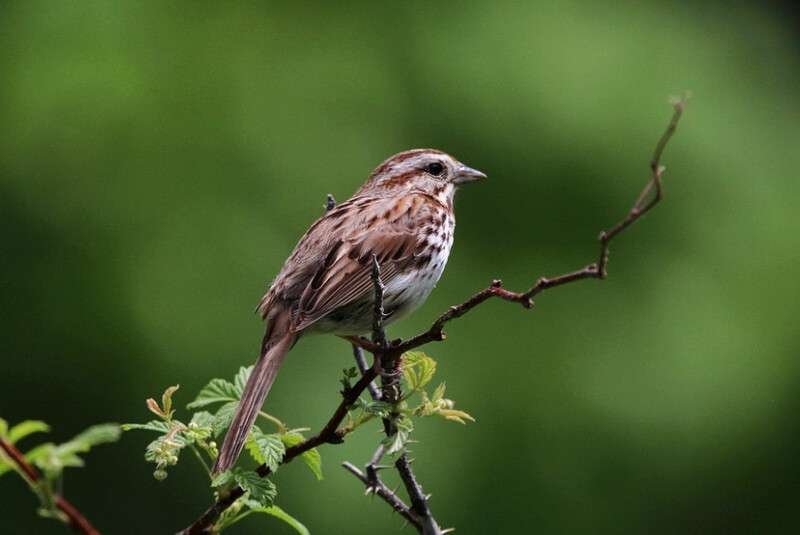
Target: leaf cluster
(50, 458)
(418, 370)
(212, 412)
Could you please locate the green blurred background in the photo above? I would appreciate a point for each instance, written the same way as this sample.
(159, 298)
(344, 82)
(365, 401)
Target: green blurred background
(159, 160)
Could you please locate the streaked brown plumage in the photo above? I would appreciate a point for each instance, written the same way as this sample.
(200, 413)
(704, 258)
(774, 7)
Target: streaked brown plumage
(403, 214)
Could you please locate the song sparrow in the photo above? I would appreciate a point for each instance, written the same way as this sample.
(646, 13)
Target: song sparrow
(403, 215)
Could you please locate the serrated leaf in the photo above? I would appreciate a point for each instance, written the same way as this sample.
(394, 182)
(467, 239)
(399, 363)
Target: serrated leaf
(418, 369)
(222, 479)
(266, 449)
(260, 489)
(93, 436)
(39, 452)
(153, 425)
(438, 393)
(311, 458)
(54, 459)
(397, 442)
(202, 419)
(223, 417)
(216, 391)
(28, 427)
(240, 380)
(381, 409)
(277, 512)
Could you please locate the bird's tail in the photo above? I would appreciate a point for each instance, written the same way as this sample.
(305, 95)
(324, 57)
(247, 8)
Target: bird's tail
(255, 392)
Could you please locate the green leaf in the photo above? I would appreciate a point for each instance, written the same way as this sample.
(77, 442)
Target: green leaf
(223, 418)
(266, 449)
(348, 374)
(418, 369)
(3, 428)
(311, 458)
(164, 451)
(438, 393)
(53, 459)
(39, 452)
(216, 391)
(455, 416)
(93, 436)
(28, 427)
(277, 512)
(397, 442)
(153, 425)
(439, 405)
(240, 380)
(260, 489)
(202, 419)
(222, 479)
(32, 456)
(381, 409)
(200, 427)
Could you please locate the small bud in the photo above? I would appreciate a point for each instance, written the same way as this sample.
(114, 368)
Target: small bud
(160, 475)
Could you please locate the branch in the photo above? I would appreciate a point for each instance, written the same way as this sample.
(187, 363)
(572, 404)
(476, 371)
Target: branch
(650, 195)
(361, 364)
(389, 363)
(78, 522)
(419, 501)
(380, 489)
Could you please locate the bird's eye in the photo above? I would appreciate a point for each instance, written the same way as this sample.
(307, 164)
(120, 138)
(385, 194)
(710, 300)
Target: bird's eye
(435, 168)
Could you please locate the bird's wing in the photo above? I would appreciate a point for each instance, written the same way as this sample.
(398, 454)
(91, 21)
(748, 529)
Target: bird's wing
(394, 234)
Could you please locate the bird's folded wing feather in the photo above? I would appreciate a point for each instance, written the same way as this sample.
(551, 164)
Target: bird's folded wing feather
(345, 275)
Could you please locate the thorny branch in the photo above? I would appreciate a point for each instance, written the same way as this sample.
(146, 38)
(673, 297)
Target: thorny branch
(419, 514)
(78, 522)
(650, 195)
(380, 489)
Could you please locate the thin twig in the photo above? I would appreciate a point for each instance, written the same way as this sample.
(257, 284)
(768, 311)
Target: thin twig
(361, 364)
(78, 522)
(388, 496)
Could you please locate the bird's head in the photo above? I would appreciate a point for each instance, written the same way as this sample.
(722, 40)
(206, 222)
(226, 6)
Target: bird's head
(429, 170)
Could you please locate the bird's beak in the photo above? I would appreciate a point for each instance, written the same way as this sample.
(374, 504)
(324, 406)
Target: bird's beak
(466, 174)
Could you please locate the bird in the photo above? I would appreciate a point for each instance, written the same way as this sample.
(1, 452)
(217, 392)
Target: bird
(402, 218)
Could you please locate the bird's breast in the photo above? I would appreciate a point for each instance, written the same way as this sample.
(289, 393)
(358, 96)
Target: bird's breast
(407, 292)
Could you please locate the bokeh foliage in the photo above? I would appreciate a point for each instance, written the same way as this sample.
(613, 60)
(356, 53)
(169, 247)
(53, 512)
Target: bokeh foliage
(159, 160)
